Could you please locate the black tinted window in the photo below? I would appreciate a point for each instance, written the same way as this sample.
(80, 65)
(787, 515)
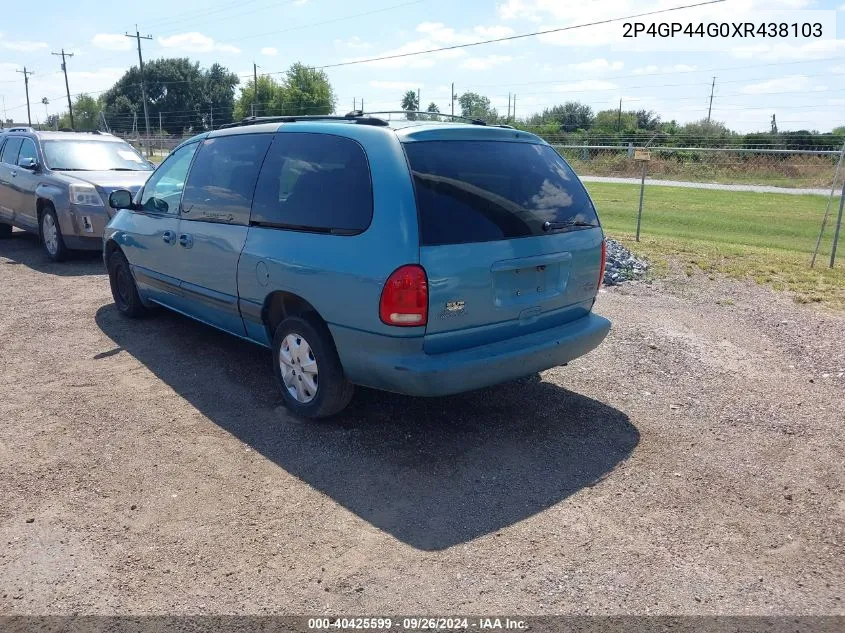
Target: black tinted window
(10, 151)
(222, 178)
(314, 182)
(481, 191)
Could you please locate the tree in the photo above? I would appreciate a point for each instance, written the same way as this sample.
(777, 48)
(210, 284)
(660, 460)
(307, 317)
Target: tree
(86, 114)
(609, 121)
(409, 101)
(571, 116)
(267, 102)
(476, 106)
(306, 91)
(647, 120)
(178, 90)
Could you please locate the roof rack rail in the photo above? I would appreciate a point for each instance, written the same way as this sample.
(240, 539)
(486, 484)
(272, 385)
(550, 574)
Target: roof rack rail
(353, 117)
(471, 120)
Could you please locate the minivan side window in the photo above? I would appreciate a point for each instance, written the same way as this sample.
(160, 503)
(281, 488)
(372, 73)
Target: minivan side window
(314, 182)
(164, 188)
(27, 151)
(10, 151)
(222, 180)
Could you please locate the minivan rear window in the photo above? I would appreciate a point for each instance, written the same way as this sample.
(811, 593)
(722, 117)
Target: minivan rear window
(483, 191)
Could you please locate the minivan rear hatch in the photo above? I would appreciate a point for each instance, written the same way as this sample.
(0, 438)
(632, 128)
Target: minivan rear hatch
(509, 239)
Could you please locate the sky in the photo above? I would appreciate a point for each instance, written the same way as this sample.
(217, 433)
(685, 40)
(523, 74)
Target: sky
(800, 80)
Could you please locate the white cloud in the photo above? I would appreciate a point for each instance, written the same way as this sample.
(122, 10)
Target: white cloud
(485, 63)
(842, 8)
(791, 83)
(269, 51)
(195, 42)
(434, 35)
(653, 69)
(395, 85)
(111, 41)
(587, 85)
(781, 52)
(353, 42)
(23, 46)
(598, 65)
(412, 61)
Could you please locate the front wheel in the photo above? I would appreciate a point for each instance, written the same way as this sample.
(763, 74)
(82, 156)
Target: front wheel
(308, 368)
(123, 287)
(51, 235)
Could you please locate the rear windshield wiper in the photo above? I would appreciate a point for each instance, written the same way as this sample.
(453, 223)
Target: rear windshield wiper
(553, 226)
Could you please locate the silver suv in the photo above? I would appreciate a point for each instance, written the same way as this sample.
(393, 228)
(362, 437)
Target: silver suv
(55, 184)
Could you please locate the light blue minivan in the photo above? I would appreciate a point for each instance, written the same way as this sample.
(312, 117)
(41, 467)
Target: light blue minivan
(420, 257)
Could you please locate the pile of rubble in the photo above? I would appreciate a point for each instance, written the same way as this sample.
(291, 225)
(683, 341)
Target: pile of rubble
(622, 264)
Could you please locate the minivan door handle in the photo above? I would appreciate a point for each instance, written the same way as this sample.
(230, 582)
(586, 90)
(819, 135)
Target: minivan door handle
(168, 236)
(186, 240)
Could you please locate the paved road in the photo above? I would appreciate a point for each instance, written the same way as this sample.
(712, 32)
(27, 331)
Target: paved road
(710, 185)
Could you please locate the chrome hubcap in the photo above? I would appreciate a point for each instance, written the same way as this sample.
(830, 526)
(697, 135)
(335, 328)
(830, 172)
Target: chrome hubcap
(299, 368)
(50, 234)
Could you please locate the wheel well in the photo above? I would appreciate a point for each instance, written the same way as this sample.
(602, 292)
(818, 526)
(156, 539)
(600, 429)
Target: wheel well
(40, 204)
(111, 248)
(280, 305)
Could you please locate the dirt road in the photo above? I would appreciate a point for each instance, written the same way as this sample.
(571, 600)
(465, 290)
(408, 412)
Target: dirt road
(692, 464)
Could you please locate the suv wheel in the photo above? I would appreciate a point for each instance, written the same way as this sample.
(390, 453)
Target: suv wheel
(308, 368)
(123, 287)
(51, 235)
(5, 230)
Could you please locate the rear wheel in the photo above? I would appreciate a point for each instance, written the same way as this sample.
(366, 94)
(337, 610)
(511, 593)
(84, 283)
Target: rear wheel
(308, 368)
(51, 235)
(123, 287)
(5, 230)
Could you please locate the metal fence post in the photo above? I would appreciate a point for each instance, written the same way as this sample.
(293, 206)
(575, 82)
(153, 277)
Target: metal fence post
(838, 226)
(827, 208)
(642, 191)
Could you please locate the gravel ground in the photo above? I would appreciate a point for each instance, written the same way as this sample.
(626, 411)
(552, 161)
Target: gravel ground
(692, 464)
(710, 185)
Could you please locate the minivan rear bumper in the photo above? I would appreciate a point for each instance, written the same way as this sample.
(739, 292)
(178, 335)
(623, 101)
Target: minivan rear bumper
(392, 364)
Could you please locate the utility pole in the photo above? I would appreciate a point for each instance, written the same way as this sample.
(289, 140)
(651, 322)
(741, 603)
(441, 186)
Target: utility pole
(774, 125)
(619, 117)
(509, 107)
(138, 37)
(452, 98)
(710, 107)
(26, 73)
(514, 106)
(419, 103)
(254, 86)
(46, 102)
(67, 87)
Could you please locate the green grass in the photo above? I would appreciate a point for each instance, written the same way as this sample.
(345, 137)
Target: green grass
(767, 237)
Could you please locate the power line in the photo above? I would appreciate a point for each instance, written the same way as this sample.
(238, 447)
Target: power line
(510, 38)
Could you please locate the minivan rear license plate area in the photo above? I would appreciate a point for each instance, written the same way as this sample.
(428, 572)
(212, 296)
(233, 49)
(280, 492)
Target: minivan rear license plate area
(530, 280)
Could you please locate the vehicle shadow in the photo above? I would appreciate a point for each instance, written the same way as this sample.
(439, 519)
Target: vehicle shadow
(433, 473)
(23, 249)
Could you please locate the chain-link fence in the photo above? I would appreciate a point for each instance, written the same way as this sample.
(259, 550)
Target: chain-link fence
(802, 168)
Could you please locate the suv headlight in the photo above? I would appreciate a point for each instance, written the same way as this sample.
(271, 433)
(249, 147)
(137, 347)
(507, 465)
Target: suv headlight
(85, 195)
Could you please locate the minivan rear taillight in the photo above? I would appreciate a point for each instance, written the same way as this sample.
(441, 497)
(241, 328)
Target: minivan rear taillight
(603, 261)
(404, 298)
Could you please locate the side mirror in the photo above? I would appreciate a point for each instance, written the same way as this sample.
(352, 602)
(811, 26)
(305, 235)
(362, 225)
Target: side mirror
(120, 199)
(28, 163)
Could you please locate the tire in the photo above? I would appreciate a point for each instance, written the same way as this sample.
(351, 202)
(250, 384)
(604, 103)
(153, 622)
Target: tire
(305, 342)
(51, 235)
(5, 230)
(123, 287)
